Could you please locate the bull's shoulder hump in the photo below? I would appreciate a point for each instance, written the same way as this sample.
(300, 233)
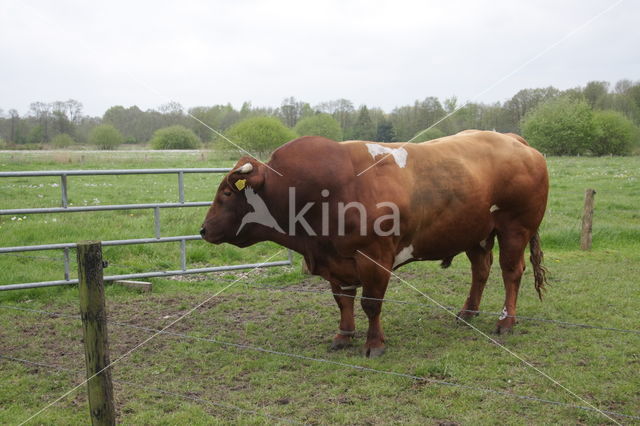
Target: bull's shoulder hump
(317, 158)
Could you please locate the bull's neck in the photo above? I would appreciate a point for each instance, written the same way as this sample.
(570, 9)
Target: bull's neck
(272, 199)
(294, 243)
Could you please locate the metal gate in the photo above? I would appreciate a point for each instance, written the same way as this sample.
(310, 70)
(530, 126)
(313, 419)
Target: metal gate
(66, 208)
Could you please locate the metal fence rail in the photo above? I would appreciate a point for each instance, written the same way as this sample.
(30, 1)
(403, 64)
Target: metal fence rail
(65, 208)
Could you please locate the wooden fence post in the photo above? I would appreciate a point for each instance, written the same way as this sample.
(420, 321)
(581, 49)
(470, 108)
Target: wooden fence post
(587, 220)
(94, 328)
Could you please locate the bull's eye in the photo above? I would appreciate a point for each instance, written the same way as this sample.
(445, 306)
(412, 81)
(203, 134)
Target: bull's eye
(227, 193)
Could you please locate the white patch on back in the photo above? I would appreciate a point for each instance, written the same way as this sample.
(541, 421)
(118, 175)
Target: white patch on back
(494, 208)
(504, 314)
(404, 255)
(399, 154)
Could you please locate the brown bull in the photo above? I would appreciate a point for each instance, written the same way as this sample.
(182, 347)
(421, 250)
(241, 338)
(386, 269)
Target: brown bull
(357, 210)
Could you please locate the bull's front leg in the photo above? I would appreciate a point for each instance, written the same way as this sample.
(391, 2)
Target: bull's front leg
(344, 296)
(374, 275)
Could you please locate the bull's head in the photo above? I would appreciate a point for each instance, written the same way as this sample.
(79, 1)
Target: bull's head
(224, 220)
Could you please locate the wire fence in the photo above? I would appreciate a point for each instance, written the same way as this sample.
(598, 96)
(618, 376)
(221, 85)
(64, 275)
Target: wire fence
(275, 288)
(560, 322)
(319, 360)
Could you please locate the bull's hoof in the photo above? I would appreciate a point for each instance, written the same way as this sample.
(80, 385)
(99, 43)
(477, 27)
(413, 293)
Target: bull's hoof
(373, 352)
(466, 315)
(340, 342)
(503, 329)
(505, 325)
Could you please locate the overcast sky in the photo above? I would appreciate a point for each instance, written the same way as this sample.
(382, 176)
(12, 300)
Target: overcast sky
(379, 53)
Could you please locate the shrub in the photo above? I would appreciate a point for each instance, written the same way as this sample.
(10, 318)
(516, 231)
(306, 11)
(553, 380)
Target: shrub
(36, 135)
(320, 125)
(105, 136)
(62, 140)
(175, 137)
(615, 134)
(561, 126)
(259, 134)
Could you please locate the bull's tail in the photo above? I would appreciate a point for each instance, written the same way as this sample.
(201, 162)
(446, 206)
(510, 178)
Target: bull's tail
(539, 271)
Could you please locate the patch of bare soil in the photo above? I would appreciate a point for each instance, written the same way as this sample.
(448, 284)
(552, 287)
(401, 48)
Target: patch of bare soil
(311, 283)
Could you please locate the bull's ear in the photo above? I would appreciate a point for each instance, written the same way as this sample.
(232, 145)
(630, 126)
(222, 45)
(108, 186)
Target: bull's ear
(247, 172)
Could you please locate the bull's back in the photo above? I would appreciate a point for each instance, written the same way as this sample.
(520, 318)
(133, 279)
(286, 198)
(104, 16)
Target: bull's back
(448, 188)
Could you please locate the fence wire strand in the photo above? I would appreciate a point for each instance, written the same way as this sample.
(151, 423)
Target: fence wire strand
(155, 390)
(450, 308)
(387, 300)
(435, 307)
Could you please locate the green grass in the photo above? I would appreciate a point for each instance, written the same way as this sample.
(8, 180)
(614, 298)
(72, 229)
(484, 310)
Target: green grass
(265, 309)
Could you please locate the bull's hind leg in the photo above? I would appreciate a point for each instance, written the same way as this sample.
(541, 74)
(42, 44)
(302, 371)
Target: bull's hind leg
(344, 296)
(513, 242)
(481, 259)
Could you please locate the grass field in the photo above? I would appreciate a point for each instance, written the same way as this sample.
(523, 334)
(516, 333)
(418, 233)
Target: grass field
(175, 379)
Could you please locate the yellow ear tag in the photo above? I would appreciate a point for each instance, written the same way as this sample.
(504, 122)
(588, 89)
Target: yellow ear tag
(240, 184)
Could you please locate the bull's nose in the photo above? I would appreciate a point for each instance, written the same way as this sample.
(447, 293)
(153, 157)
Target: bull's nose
(202, 231)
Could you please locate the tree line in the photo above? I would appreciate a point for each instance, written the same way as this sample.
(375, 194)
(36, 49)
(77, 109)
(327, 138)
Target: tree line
(62, 123)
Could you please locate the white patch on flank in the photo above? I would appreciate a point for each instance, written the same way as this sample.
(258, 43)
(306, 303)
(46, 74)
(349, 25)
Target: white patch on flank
(494, 208)
(504, 314)
(483, 243)
(399, 154)
(348, 287)
(404, 255)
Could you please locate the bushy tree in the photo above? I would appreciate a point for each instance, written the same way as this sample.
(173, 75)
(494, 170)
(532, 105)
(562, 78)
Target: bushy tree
(259, 134)
(292, 110)
(36, 134)
(105, 136)
(433, 133)
(364, 128)
(562, 126)
(175, 137)
(320, 125)
(615, 134)
(385, 131)
(595, 92)
(62, 140)
(341, 109)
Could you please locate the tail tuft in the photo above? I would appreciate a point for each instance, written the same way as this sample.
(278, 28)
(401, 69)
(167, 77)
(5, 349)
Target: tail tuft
(539, 271)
